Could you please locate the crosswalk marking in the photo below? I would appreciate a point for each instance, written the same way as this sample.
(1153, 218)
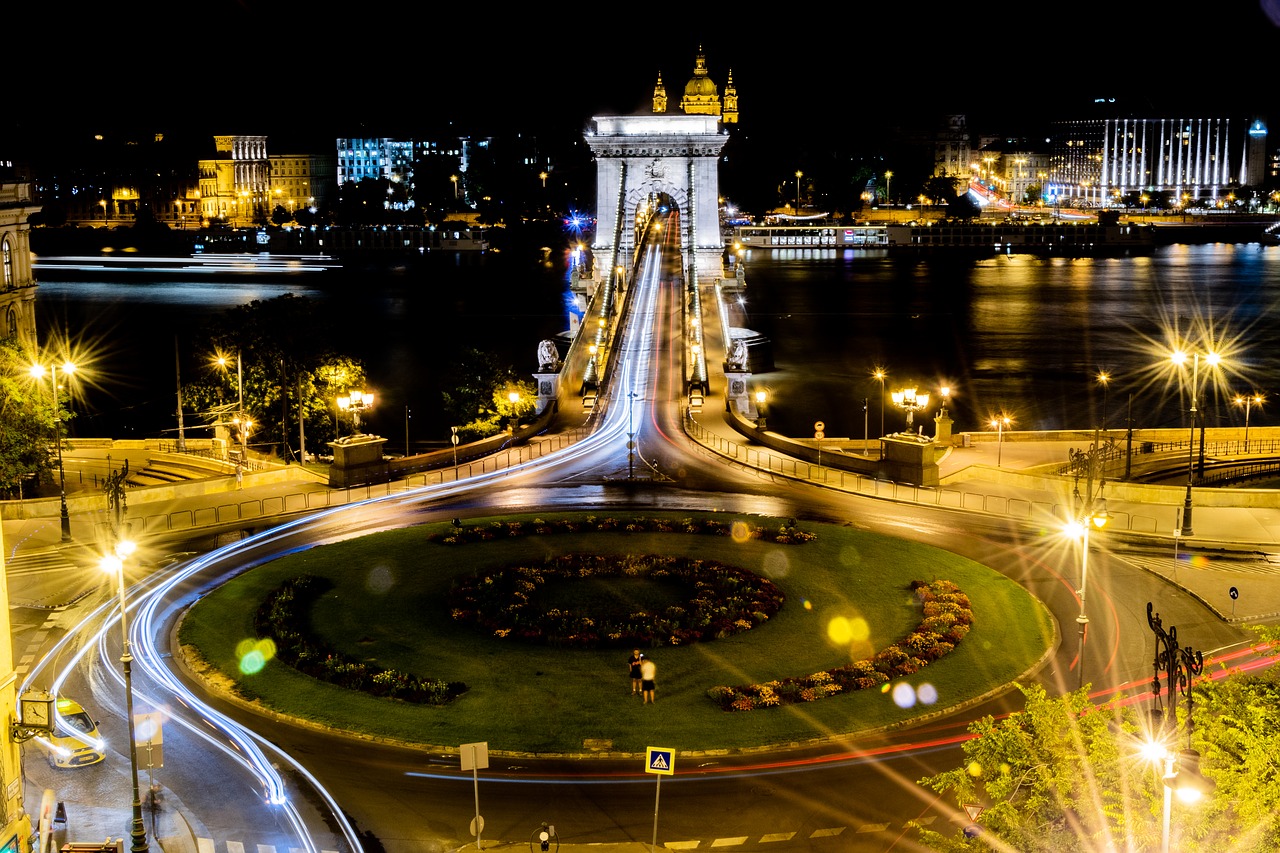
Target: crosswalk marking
(729, 842)
(873, 827)
(235, 847)
(204, 845)
(821, 833)
(776, 836)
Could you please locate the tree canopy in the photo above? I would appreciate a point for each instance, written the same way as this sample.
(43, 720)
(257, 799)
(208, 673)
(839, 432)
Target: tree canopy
(28, 423)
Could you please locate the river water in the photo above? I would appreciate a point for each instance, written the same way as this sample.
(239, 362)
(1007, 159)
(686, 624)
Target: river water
(1018, 335)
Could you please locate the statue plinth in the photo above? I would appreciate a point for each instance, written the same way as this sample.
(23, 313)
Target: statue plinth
(910, 458)
(357, 459)
(737, 391)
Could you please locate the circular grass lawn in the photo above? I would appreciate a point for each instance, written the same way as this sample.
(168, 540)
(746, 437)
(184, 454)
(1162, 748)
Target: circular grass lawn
(847, 595)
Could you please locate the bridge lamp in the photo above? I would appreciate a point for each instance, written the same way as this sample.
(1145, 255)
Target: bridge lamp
(1180, 358)
(998, 423)
(911, 402)
(1248, 402)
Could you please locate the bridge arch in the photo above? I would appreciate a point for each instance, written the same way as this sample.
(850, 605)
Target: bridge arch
(643, 157)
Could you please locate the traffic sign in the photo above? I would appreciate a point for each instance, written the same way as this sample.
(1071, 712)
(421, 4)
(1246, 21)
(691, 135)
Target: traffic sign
(973, 811)
(819, 435)
(454, 439)
(661, 760)
(819, 426)
(1234, 593)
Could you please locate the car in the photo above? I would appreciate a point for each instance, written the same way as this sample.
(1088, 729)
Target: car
(75, 741)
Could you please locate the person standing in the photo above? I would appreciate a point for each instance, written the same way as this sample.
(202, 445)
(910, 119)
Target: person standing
(633, 669)
(648, 675)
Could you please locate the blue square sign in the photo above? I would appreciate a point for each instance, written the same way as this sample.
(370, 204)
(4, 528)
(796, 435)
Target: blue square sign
(659, 759)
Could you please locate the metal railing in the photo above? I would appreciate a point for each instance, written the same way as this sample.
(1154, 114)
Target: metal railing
(763, 461)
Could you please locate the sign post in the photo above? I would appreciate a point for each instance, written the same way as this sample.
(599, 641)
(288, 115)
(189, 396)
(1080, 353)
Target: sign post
(453, 439)
(818, 435)
(475, 756)
(661, 761)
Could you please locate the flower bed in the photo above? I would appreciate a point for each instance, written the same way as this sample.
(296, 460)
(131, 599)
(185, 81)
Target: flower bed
(785, 534)
(724, 600)
(947, 618)
(283, 618)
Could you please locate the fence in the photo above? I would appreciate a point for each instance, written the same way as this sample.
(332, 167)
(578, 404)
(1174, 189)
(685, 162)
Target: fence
(763, 461)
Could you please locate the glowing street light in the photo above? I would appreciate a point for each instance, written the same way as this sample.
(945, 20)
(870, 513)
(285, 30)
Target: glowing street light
(37, 372)
(879, 374)
(1248, 401)
(514, 398)
(999, 423)
(762, 396)
(911, 402)
(799, 175)
(454, 178)
(114, 564)
(1091, 514)
(1103, 378)
(888, 197)
(356, 402)
(1179, 358)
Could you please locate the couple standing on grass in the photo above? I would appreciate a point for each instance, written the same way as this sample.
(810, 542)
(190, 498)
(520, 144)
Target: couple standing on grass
(643, 671)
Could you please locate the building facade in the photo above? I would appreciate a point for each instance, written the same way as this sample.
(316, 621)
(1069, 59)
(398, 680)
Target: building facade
(17, 282)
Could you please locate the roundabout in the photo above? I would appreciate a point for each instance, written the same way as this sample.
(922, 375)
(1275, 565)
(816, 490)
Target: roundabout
(844, 597)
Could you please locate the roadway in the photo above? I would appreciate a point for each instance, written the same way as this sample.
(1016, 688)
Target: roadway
(222, 762)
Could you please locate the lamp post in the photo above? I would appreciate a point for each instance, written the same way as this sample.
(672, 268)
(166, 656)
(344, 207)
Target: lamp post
(911, 402)
(1090, 514)
(799, 175)
(514, 398)
(1179, 358)
(1181, 769)
(38, 371)
(888, 197)
(631, 436)
(998, 423)
(543, 176)
(880, 375)
(865, 437)
(454, 178)
(114, 564)
(356, 402)
(1104, 379)
(1248, 402)
(762, 397)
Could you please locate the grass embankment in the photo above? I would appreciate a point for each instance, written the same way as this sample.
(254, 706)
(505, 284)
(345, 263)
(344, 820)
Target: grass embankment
(387, 606)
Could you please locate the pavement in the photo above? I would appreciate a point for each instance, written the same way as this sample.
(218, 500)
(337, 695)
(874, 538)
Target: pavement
(1235, 547)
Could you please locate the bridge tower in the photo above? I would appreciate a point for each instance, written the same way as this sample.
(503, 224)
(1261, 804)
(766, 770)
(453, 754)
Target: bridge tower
(641, 157)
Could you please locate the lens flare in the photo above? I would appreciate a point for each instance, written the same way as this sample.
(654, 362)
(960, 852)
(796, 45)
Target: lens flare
(740, 532)
(776, 565)
(904, 695)
(380, 580)
(254, 654)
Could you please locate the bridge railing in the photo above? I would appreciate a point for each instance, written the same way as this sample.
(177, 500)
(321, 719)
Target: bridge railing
(767, 463)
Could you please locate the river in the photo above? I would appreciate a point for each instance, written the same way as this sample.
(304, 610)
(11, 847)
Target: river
(1018, 335)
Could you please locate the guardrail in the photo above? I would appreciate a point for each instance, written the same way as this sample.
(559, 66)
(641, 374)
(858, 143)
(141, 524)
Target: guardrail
(1020, 508)
(235, 513)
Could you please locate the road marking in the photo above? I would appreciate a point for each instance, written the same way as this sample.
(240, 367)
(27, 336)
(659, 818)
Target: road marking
(822, 833)
(235, 847)
(729, 842)
(873, 827)
(777, 836)
(204, 845)
(681, 845)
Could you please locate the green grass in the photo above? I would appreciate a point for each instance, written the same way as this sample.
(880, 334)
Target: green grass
(387, 606)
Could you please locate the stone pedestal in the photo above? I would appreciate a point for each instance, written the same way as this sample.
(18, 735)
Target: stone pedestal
(357, 459)
(942, 428)
(548, 389)
(911, 459)
(737, 392)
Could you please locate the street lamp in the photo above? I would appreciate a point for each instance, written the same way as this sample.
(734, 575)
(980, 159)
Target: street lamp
(1179, 665)
(454, 178)
(356, 402)
(1179, 358)
(1104, 379)
(880, 375)
(114, 564)
(799, 175)
(543, 176)
(762, 396)
(514, 398)
(37, 371)
(888, 198)
(1248, 402)
(998, 423)
(911, 402)
(1091, 514)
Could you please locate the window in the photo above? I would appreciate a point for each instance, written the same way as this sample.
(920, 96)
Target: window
(8, 264)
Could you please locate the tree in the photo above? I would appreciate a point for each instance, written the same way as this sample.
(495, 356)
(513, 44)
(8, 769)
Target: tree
(286, 370)
(478, 399)
(28, 422)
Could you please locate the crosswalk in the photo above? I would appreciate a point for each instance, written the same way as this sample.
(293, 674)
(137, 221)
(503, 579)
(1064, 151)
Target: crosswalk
(207, 845)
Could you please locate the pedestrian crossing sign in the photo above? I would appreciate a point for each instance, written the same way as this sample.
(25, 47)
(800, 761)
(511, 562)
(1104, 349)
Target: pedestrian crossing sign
(659, 759)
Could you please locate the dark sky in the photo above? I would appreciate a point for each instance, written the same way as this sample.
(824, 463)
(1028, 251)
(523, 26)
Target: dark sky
(303, 69)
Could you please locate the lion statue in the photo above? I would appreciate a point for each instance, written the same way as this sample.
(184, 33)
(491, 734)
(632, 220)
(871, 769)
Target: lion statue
(548, 356)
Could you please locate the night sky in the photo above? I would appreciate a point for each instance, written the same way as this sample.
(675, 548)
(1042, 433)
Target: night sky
(300, 70)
